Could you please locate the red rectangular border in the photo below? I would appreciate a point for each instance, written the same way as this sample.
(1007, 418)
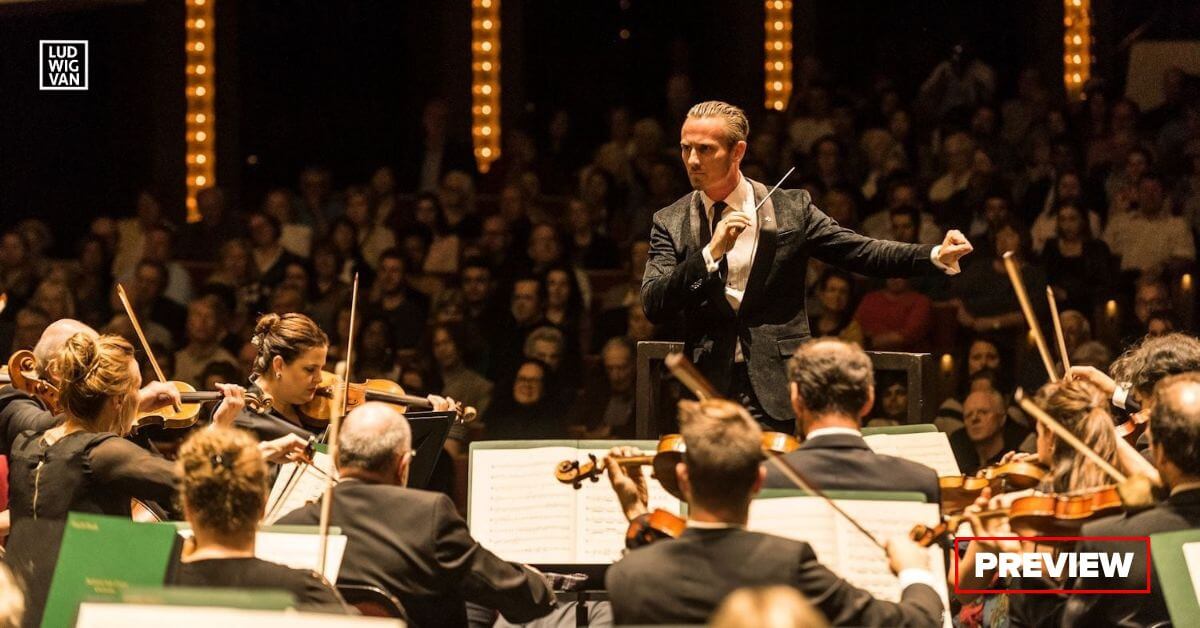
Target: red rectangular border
(1144, 539)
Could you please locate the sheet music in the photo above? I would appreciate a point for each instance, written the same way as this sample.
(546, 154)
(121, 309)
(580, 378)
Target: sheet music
(309, 487)
(298, 550)
(931, 449)
(1191, 556)
(518, 510)
(522, 513)
(841, 547)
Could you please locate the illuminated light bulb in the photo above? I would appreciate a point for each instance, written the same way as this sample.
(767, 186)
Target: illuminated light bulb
(486, 66)
(779, 45)
(1077, 40)
(485, 151)
(201, 159)
(486, 110)
(200, 118)
(778, 25)
(778, 105)
(201, 136)
(487, 130)
(199, 3)
(487, 25)
(201, 180)
(779, 65)
(486, 89)
(201, 69)
(201, 23)
(486, 46)
(487, 4)
(778, 85)
(199, 46)
(1077, 78)
(1077, 59)
(779, 4)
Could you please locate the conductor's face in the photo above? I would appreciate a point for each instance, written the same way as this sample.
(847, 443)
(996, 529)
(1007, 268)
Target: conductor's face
(710, 160)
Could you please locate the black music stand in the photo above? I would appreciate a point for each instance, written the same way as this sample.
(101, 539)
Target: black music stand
(653, 378)
(429, 431)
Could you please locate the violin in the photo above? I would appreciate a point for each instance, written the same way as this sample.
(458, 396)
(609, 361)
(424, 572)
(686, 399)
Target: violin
(1040, 514)
(185, 415)
(23, 375)
(958, 492)
(669, 452)
(318, 411)
(654, 526)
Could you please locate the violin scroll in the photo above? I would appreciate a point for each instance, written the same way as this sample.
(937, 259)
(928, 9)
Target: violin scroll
(574, 473)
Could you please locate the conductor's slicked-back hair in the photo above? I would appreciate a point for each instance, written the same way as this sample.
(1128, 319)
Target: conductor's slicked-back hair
(832, 376)
(724, 450)
(737, 127)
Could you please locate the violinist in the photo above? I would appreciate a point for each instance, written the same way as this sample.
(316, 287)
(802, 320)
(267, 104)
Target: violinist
(832, 389)
(1082, 409)
(291, 354)
(1174, 442)
(683, 580)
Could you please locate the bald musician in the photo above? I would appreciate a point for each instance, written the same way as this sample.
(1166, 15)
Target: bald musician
(730, 262)
(412, 543)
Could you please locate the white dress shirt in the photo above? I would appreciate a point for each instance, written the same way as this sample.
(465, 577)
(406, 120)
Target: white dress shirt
(741, 254)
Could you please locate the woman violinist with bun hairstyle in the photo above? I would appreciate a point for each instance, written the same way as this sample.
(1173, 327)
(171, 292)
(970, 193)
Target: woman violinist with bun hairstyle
(223, 491)
(288, 368)
(291, 354)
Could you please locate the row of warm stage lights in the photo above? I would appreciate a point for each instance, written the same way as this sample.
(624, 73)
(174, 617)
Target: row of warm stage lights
(778, 51)
(199, 94)
(485, 85)
(1077, 55)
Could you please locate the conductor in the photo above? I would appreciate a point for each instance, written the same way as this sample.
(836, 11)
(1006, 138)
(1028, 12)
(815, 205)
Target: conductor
(729, 261)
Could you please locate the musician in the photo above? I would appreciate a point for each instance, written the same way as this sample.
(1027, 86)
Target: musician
(223, 492)
(832, 390)
(413, 543)
(735, 275)
(1175, 438)
(20, 412)
(684, 580)
(291, 354)
(1083, 409)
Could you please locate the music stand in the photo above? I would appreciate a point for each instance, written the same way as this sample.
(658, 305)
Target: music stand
(429, 431)
(652, 377)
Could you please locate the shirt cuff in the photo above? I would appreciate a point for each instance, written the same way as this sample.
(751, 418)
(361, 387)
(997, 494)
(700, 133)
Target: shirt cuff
(709, 263)
(949, 270)
(912, 575)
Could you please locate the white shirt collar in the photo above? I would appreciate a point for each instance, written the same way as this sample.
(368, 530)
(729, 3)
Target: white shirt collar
(712, 525)
(826, 431)
(736, 198)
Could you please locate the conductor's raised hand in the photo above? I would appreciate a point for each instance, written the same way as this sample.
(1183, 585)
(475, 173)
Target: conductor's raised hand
(727, 232)
(954, 246)
(630, 488)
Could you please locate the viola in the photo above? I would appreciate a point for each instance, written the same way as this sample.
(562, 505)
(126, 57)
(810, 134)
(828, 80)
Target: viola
(189, 409)
(324, 404)
(669, 452)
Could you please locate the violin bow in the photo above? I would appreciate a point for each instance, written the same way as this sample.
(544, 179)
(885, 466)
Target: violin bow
(1014, 276)
(686, 372)
(335, 424)
(137, 327)
(1062, 341)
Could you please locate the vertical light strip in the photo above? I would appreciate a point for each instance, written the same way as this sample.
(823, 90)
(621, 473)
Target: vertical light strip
(778, 26)
(485, 81)
(1077, 46)
(200, 92)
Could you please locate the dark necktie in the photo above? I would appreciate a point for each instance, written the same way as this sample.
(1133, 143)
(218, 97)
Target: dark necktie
(718, 208)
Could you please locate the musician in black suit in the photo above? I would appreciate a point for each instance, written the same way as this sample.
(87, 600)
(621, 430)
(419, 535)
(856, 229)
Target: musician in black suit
(736, 275)
(683, 580)
(832, 389)
(1175, 439)
(412, 543)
